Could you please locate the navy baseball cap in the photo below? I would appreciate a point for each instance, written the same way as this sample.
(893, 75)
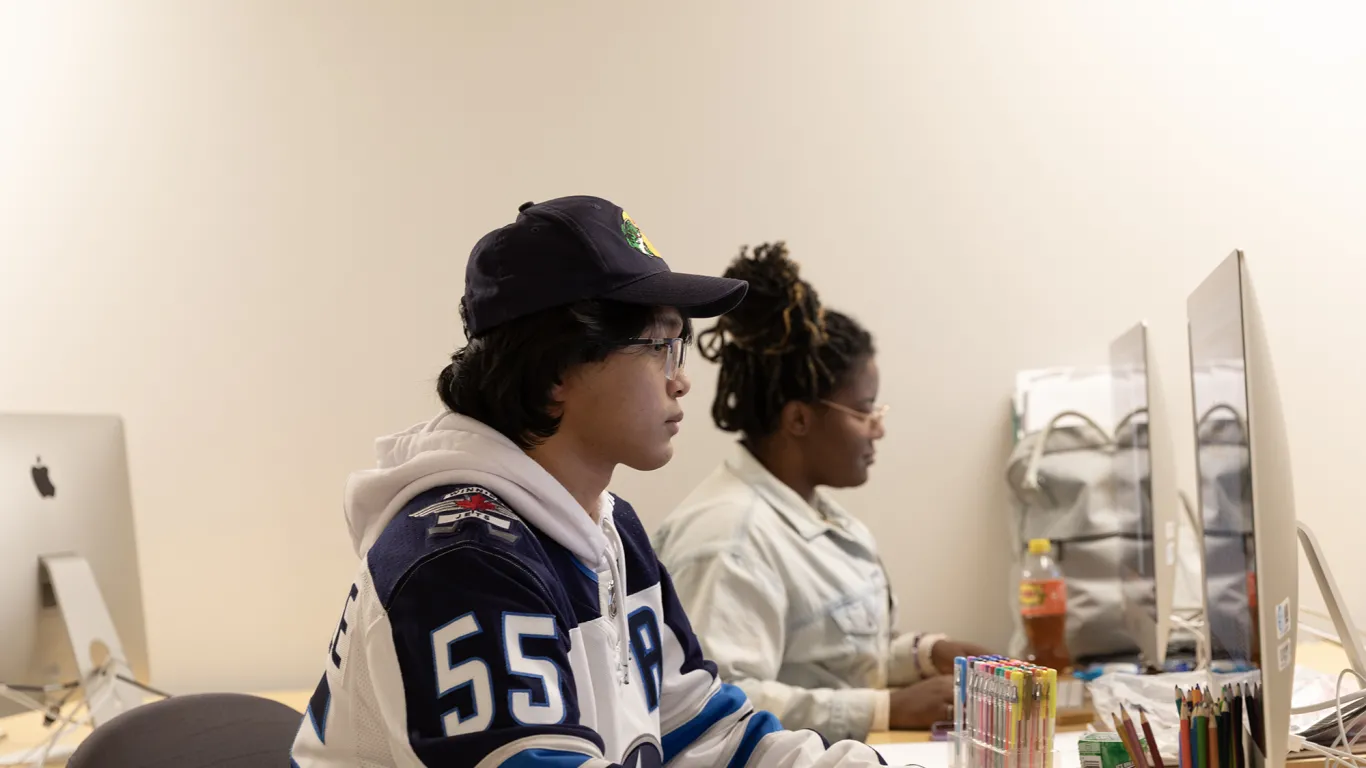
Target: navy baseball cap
(576, 248)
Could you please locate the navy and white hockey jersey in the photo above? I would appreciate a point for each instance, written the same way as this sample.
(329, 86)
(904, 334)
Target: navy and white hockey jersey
(493, 623)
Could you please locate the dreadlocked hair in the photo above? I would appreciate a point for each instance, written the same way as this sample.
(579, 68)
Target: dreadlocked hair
(779, 345)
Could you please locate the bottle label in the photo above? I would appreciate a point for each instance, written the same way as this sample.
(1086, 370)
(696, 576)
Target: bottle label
(1043, 598)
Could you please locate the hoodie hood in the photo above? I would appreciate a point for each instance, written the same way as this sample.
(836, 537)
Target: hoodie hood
(453, 449)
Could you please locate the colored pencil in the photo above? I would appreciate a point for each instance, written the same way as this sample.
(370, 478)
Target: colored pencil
(1213, 741)
(1130, 735)
(1201, 728)
(1152, 740)
(1239, 757)
(1185, 757)
(1230, 734)
(1195, 737)
(1129, 746)
(1221, 729)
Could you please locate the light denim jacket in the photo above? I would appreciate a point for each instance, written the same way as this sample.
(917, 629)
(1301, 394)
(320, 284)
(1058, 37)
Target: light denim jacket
(791, 602)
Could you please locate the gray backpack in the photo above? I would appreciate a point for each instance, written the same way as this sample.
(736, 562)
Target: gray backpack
(1062, 479)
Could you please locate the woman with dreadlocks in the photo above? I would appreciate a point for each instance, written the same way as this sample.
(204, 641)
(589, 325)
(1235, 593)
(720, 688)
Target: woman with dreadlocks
(785, 590)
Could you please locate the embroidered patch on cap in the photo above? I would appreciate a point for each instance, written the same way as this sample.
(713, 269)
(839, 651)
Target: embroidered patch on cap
(636, 238)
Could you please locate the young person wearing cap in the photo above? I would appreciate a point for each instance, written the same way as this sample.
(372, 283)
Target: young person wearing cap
(508, 611)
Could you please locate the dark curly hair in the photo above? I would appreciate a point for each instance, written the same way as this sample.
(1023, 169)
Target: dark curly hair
(779, 345)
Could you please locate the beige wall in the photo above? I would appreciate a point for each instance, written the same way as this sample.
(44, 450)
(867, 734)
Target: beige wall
(242, 225)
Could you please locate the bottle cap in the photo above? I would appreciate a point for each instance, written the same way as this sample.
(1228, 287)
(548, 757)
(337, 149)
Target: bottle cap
(1040, 546)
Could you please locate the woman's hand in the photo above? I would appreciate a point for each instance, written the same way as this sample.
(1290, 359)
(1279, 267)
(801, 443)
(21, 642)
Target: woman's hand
(945, 651)
(917, 707)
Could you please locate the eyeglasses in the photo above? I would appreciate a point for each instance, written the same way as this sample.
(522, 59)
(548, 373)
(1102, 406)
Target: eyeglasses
(675, 349)
(871, 418)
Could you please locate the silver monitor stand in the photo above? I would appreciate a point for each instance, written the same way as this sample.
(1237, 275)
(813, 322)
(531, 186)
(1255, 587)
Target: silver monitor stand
(104, 671)
(107, 685)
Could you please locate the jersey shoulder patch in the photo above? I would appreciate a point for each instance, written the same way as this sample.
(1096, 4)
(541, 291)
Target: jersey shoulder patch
(466, 503)
(441, 518)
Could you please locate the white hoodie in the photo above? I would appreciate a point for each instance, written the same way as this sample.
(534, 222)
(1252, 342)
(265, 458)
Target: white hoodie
(493, 622)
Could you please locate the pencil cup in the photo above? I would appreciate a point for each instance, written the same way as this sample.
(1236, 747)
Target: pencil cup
(966, 752)
(1004, 713)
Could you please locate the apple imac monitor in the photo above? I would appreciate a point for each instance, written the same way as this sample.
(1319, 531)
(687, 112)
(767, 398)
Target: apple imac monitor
(68, 562)
(1246, 495)
(1146, 497)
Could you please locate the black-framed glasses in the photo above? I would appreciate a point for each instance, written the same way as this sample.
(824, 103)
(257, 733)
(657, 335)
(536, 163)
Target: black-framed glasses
(675, 349)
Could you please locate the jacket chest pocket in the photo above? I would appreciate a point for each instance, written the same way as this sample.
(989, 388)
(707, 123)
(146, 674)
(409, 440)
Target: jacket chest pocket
(856, 618)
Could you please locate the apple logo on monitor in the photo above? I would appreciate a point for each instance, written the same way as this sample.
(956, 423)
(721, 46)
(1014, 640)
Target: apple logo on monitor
(42, 481)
